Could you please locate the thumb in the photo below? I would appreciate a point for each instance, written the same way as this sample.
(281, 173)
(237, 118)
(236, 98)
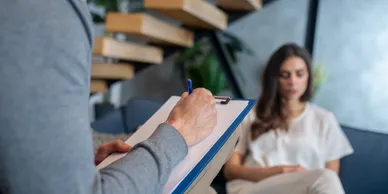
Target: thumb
(183, 96)
(122, 146)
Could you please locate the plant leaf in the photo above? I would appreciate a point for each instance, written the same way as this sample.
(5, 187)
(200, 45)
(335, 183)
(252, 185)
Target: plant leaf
(237, 43)
(97, 19)
(232, 52)
(189, 53)
(194, 73)
(97, 2)
(204, 69)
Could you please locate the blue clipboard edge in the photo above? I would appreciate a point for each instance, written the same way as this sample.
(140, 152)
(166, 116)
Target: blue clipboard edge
(196, 171)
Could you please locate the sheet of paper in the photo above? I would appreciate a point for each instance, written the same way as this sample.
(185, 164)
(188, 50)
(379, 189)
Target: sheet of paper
(226, 116)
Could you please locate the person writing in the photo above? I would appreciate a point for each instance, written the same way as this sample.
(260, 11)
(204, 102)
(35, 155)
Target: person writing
(46, 144)
(288, 145)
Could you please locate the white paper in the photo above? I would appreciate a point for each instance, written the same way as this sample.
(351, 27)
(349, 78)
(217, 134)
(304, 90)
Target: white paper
(226, 116)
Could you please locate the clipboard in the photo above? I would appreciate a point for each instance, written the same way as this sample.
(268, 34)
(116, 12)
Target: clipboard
(230, 114)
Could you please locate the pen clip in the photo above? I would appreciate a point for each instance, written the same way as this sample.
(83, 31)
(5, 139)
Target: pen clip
(225, 99)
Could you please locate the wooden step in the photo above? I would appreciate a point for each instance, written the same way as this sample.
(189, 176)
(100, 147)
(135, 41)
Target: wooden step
(246, 5)
(112, 71)
(98, 86)
(196, 13)
(109, 47)
(147, 27)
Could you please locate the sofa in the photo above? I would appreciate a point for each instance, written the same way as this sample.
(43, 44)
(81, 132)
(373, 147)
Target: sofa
(127, 118)
(366, 170)
(363, 172)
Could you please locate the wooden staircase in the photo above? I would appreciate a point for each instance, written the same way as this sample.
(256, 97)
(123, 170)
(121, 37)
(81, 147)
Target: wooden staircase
(247, 5)
(147, 27)
(195, 13)
(143, 26)
(112, 71)
(98, 86)
(111, 48)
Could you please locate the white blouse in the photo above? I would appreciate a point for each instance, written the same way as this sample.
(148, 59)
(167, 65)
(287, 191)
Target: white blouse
(313, 138)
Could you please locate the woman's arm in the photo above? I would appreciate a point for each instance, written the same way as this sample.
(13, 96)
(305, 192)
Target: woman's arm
(333, 165)
(234, 169)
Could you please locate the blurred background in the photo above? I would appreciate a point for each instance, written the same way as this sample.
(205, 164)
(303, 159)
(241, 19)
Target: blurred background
(145, 50)
(347, 38)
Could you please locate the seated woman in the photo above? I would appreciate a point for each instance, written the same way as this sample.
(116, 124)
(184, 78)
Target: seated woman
(287, 145)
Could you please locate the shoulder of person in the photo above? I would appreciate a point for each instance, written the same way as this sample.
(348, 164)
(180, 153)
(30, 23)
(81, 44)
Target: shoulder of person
(321, 114)
(248, 120)
(251, 116)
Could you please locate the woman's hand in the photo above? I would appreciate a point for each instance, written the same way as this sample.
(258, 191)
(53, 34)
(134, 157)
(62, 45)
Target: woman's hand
(234, 169)
(263, 173)
(286, 169)
(109, 148)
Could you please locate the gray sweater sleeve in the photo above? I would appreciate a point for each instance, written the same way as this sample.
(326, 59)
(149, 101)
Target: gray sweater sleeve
(147, 167)
(45, 141)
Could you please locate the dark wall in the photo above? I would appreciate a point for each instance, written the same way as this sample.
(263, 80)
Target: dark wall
(157, 82)
(352, 44)
(277, 23)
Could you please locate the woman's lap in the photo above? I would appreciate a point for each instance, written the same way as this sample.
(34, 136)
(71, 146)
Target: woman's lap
(305, 182)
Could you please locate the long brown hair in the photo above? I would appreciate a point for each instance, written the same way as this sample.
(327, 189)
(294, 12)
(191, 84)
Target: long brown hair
(269, 114)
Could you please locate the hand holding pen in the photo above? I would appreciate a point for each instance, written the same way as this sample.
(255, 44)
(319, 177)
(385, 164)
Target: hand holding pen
(195, 115)
(225, 99)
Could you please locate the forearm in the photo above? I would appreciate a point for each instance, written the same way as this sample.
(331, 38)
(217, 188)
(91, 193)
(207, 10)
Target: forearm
(245, 173)
(333, 165)
(147, 167)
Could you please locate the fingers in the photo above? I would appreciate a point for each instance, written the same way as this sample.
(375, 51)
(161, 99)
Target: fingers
(109, 148)
(209, 99)
(300, 168)
(296, 168)
(121, 146)
(207, 95)
(203, 91)
(114, 146)
(184, 95)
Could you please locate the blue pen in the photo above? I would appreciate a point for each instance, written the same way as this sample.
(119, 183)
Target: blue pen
(189, 86)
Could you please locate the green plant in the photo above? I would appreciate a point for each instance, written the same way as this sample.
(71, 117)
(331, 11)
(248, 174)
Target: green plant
(234, 45)
(106, 6)
(201, 66)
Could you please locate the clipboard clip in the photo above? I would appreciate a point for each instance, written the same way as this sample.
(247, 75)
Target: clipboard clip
(224, 99)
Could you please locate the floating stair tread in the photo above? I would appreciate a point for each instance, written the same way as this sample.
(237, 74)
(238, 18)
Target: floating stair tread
(98, 86)
(246, 5)
(109, 47)
(196, 13)
(145, 26)
(112, 71)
